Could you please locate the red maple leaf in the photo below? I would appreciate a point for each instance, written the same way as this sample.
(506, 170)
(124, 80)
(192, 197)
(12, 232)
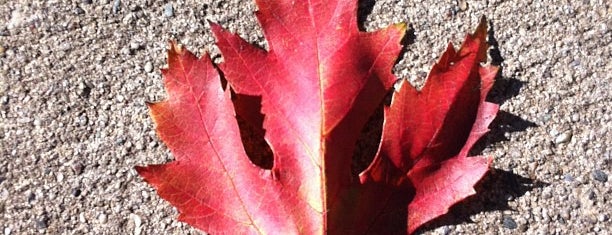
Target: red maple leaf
(319, 83)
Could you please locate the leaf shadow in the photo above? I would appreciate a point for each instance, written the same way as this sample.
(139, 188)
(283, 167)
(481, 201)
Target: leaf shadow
(364, 9)
(504, 123)
(250, 121)
(504, 87)
(494, 52)
(493, 193)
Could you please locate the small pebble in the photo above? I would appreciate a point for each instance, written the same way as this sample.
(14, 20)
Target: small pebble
(76, 192)
(168, 10)
(554, 132)
(137, 224)
(523, 227)
(79, 11)
(591, 195)
(9, 52)
(120, 141)
(602, 218)
(148, 67)
(85, 90)
(7, 231)
(83, 120)
(59, 177)
(600, 176)
(509, 223)
(41, 223)
(563, 137)
(444, 230)
(568, 178)
(463, 5)
(153, 144)
(120, 98)
(31, 197)
(102, 218)
(77, 168)
(545, 215)
(139, 146)
(116, 6)
(134, 46)
(545, 118)
(1, 50)
(546, 193)
(575, 117)
(575, 63)
(565, 213)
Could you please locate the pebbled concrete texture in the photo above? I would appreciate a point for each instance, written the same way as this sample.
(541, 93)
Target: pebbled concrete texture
(75, 75)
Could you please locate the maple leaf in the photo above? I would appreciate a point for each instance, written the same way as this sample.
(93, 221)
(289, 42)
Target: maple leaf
(318, 84)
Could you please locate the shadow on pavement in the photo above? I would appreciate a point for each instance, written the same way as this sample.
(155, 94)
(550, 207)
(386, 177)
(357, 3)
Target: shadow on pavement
(493, 193)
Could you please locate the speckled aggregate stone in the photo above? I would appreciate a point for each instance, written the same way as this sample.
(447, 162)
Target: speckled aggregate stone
(75, 75)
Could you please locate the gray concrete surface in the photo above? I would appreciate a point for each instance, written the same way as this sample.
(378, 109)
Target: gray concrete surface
(74, 77)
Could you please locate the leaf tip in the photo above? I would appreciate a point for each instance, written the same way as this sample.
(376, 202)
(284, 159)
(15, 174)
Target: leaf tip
(402, 26)
(175, 48)
(218, 30)
(481, 34)
(143, 171)
(481, 30)
(139, 169)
